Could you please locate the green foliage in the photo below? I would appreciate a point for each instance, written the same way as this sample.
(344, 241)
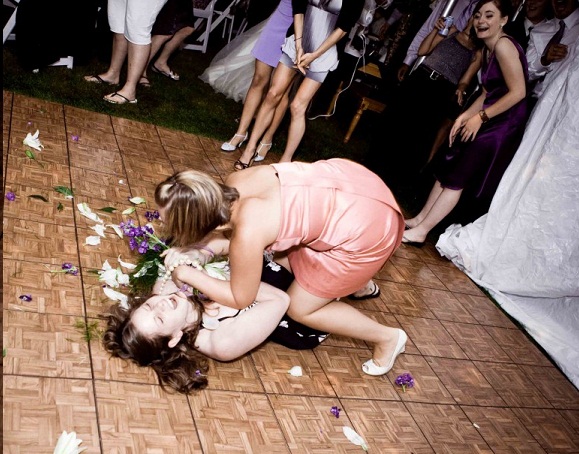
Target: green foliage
(90, 330)
(144, 276)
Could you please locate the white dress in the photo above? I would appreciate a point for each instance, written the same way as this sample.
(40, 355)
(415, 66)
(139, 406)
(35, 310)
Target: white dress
(525, 251)
(231, 70)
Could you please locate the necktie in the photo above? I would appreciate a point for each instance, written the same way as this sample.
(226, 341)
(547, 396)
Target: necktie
(556, 38)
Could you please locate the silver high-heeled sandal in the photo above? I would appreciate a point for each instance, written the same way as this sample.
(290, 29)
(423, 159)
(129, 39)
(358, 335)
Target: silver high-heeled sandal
(228, 146)
(259, 157)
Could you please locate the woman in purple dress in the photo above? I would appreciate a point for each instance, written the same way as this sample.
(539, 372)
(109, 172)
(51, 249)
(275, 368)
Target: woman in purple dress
(267, 52)
(487, 134)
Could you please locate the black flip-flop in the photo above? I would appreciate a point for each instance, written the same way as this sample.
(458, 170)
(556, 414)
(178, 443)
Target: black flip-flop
(171, 75)
(126, 100)
(96, 79)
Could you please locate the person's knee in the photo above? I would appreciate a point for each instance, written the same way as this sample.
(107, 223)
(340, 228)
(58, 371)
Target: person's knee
(298, 107)
(300, 316)
(273, 96)
(259, 81)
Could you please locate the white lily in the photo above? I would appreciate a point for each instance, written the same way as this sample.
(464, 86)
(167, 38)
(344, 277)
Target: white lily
(296, 371)
(218, 270)
(93, 240)
(33, 141)
(130, 210)
(117, 229)
(68, 444)
(117, 296)
(99, 229)
(87, 212)
(354, 437)
(126, 265)
(111, 276)
(137, 200)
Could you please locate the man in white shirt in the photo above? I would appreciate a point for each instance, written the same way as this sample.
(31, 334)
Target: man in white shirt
(545, 54)
(461, 12)
(534, 12)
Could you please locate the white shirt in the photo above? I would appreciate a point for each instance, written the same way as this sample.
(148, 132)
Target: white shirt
(460, 22)
(539, 38)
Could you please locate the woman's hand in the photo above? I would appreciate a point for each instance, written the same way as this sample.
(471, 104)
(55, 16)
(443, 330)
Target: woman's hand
(456, 127)
(184, 275)
(470, 128)
(174, 255)
(439, 24)
(305, 60)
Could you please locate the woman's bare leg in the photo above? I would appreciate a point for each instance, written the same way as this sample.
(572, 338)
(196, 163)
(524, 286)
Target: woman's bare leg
(341, 318)
(282, 79)
(434, 193)
(443, 205)
(157, 41)
(138, 55)
(278, 116)
(172, 45)
(441, 137)
(253, 99)
(118, 56)
(298, 107)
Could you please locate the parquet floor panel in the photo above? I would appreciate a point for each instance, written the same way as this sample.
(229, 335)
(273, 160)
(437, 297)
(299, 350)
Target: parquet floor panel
(480, 385)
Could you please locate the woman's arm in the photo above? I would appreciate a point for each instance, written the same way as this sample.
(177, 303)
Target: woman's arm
(508, 57)
(332, 39)
(432, 39)
(249, 329)
(466, 78)
(459, 123)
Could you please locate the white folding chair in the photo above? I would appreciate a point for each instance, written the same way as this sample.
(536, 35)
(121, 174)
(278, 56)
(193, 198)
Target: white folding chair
(213, 19)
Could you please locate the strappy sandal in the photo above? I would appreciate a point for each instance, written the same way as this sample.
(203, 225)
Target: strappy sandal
(228, 146)
(239, 165)
(259, 156)
(169, 74)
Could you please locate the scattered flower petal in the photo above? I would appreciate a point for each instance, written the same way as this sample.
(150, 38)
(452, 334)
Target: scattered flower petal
(29, 123)
(107, 209)
(74, 138)
(130, 210)
(69, 268)
(87, 212)
(296, 371)
(38, 197)
(60, 206)
(26, 297)
(93, 240)
(99, 229)
(137, 200)
(117, 229)
(476, 425)
(354, 437)
(121, 181)
(126, 265)
(10, 196)
(68, 444)
(335, 411)
(33, 141)
(152, 215)
(116, 296)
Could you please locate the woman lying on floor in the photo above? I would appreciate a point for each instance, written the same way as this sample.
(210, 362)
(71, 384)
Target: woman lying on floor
(175, 333)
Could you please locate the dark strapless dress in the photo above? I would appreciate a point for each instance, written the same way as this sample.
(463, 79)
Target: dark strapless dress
(479, 165)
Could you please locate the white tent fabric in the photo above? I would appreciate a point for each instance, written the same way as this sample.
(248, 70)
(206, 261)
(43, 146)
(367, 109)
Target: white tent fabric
(525, 251)
(231, 70)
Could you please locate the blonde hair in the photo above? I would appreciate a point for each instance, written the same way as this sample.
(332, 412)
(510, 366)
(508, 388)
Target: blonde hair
(195, 205)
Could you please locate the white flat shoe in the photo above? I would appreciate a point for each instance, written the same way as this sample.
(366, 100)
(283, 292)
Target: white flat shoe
(371, 368)
(259, 157)
(227, 146)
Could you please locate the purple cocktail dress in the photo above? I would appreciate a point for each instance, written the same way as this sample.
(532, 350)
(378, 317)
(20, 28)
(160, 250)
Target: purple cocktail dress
(268, 47)
(479, 165)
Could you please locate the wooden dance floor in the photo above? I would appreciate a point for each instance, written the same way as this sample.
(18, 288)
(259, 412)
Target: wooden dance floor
(481, 386)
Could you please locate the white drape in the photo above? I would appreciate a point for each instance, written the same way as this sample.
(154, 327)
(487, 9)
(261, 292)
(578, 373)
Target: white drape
(525, 251)
(231, 70)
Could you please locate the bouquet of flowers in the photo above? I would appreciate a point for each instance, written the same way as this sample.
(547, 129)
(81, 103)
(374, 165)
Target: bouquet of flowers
(149, 246)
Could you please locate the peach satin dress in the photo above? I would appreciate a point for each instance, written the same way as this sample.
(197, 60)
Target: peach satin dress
(340, 223)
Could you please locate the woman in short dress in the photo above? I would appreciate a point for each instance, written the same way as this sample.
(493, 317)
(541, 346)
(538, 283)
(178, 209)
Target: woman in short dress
(311, 49)
(332, 223)
(267, 52)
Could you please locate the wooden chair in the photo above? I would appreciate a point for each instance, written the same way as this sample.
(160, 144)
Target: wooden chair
(366, 102)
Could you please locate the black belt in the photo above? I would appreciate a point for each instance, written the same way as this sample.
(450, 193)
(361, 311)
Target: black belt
(432, 74)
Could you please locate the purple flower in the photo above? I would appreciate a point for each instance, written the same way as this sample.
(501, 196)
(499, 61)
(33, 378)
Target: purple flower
(133, 244)
(143, 247)
(29, 123)
(405, 380)
(152, 215)
(26, 297)
(11, 196)
(74, 138)
(67, 266)
(335, 411)
(198, 373)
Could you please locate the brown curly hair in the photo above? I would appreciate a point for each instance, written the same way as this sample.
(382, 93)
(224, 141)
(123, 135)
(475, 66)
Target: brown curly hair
(181, 368)
(195, 206)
